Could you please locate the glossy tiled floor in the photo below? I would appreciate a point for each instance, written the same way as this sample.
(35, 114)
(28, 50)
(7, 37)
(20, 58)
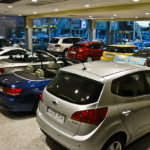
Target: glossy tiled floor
(19, 131)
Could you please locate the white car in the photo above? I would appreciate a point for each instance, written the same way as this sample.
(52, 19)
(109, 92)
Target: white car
(60, 45)
(6, 52)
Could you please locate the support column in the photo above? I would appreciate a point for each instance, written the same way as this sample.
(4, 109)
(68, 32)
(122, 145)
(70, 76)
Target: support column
(92, 30)
(49, 28)
(108, 34)
(70, 27)
(28, 33)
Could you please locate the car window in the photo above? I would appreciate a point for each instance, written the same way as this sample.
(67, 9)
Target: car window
(112, 49)
(75, 89)
(54, 40)
(103, 46)
(132, 85)
(81, 40)
(142, 53)
(77, 46)
(68, 41)
(94, 46)
(7, 53)
(147, 74)
(20, 52)
(115, 86)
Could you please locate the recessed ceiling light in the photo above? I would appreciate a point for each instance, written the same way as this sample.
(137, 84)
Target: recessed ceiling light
(3, 17)
(9, 6)
(90, 16)
(115, 15)
(87, 5)
(56, 9)
(147, 13)
(10, 21)
(135, 0)
(19, 14)
(136, 17)
(35, 12)
(112, 18)
(34, 0)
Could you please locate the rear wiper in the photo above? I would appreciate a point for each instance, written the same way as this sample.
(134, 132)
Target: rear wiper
(66, 97)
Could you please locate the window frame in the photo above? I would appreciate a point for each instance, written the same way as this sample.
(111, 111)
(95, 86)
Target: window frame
(147, 88)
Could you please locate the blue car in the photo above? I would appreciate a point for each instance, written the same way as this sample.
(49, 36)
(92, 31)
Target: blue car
(140, 45)
(20, 91)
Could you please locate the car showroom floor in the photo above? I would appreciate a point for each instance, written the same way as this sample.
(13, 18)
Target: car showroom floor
(20, 131)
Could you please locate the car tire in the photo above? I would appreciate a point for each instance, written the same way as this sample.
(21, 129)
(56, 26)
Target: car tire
(35, 106)
(114, 143)
(65, 53)
(89, 58)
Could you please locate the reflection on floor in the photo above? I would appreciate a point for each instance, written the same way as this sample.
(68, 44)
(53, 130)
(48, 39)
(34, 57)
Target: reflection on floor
(20, 131)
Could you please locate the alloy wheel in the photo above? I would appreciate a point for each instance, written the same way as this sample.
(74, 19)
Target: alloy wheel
(88, 59)
(115, 146)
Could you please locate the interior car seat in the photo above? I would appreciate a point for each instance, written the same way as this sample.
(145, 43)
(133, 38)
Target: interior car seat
(39, 73)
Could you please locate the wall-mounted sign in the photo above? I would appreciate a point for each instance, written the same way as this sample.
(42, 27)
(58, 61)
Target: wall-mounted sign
(83, 23)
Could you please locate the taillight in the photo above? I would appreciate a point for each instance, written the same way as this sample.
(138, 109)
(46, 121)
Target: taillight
(95, 116)
(57, 45)
(1, 70)
(148, 63)
(12, 91)
(41, 96)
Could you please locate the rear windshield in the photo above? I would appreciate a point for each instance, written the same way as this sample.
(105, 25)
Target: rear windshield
(54, 40)
(76, 46)
(75, 89)
(122, 49)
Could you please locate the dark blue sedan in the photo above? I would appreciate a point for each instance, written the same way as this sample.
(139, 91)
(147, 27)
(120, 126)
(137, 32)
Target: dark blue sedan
(19, 91)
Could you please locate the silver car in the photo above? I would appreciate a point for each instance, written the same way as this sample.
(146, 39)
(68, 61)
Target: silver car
(99, 105)
(20, 62)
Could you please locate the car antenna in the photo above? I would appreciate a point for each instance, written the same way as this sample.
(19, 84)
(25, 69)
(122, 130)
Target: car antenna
(83, 66)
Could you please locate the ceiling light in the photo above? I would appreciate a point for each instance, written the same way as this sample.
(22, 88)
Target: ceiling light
(10, 21)
(3, 17)
(9, 6)
(35, 12)
(135, 0)
(56, 9)
(112, 18)
(19, 14)
(136, 17)
(34, 0)
(115, 15)
(87, 5)
(90, 16)
(147, 13)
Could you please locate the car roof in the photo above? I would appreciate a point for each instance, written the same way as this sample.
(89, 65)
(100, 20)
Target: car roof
(88, 43)
(66, 37)
(104, 68)
(123, 45)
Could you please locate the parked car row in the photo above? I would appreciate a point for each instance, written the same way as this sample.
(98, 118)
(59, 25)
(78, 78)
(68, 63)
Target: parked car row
(100, 105)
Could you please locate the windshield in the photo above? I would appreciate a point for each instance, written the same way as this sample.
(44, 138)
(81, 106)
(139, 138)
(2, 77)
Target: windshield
(75, 89)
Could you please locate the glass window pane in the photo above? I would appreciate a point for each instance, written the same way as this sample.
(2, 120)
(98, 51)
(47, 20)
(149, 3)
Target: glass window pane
(133, 85)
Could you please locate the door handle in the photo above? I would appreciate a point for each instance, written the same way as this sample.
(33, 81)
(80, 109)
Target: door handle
(126, 112)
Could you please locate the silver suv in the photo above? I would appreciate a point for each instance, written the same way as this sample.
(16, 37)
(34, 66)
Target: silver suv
(101, 106)
(60, 45)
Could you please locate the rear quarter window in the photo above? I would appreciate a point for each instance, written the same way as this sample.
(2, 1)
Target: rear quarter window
(75, 89)
(54, 40)
(77, 46)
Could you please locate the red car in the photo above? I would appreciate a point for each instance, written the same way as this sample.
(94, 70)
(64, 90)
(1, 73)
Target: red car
(87, 51)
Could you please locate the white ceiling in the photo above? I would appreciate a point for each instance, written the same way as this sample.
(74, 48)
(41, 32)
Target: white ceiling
(26, 7)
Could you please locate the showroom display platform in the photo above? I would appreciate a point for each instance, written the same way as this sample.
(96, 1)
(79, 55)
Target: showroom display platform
(20, 131)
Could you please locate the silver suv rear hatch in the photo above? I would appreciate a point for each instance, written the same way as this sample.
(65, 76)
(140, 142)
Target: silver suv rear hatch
(66, 95)
(53, 45)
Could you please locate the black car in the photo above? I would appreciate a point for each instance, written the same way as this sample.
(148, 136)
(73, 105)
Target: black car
(144, 53)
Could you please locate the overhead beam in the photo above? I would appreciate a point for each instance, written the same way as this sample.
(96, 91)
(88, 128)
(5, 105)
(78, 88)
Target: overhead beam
(98, 9)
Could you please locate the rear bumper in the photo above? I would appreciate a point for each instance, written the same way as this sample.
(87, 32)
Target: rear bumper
(14, 104)
(68, 141)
